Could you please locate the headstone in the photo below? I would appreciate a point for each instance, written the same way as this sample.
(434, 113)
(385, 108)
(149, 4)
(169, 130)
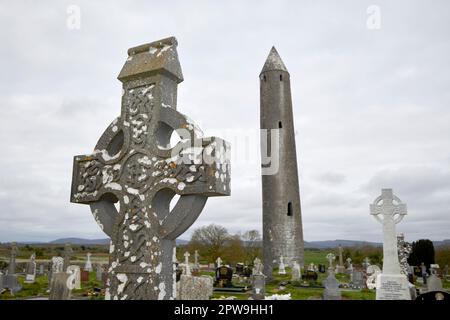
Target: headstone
(258, 286)
(10, 280)
(187, 270)
(240, 268)
(218, 262)
(62, 285)
(423, 269)
(311, 275)
(372, 274)
(99, 272)
(56, 266)
(332, 291)
(296, 272)
(357, 280)
(134, 163)
(196, 263)
(434, 283)
(366, 263)
(68, 253)
(404, 250)
(41, 269)
(194, 288)
(224, 276)
(331, 257)
(76, 271)
(349, 266)
(322, 268)
(88, 265)
(84, 276)
(31, 270)
(281, 267)
(340, 267)
(257, 266)
(391, 284)
(434, 296)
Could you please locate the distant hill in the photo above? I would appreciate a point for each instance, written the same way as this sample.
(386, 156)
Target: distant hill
(81, 241)
(335, 243)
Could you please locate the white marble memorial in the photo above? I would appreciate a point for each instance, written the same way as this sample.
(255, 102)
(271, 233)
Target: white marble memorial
(391, 284)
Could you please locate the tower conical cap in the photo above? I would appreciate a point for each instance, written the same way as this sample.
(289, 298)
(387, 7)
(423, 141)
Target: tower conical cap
(273, 62)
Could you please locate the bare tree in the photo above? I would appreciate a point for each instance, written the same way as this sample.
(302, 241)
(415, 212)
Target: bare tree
(211, 239)
(252, 241)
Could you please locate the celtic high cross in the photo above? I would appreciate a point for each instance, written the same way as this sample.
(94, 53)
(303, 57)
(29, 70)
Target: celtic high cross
(135, 165)
(389, 210)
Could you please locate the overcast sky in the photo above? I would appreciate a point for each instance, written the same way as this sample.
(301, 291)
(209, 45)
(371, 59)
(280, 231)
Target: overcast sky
(371, 105)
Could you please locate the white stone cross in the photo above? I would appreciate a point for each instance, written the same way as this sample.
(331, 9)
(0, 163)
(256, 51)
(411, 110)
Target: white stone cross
(88, 265)
(186, 262)
(331, 257)
(389, 210)
(219, 262)
(196, 256)
(281, 268)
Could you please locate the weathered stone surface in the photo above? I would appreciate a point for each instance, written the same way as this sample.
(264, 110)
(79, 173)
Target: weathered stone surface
(332, 291)
(61, 286)
(194, 288)
(68, 253)
(434, 283)
(258, 286)
(391, 284)
(76, 271)
(296, 273)
(282, 222)
(281, 266)
(133, 163)
(10, 280)
(31, 270)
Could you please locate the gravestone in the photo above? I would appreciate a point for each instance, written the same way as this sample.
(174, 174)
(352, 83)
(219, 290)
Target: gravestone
(239, 268)
(41, 269)
(134, 164)
(391, 284)
(76, 271)
(84, 276)
(194, 288)
(332, 291)
(224, 277)
(10, 280)
(349, 266)
(218, 262)
(88, 265)
(311, 275)
(62, 285)
(281, 267)
(258, 286)
(366, 263)
(56, 266)
(296, 272)
(257, 266)
(434, 283)
(196, 263)
(340, 267)
(330, 257)
(31, 270)
(372, 274)
(187, 267)
(68, 253)
(99, 272)
(322, 268)
(357, 280)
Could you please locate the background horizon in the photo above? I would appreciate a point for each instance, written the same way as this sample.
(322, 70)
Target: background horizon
(370, 106)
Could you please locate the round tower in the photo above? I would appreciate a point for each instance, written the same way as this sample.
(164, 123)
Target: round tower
(282, 222)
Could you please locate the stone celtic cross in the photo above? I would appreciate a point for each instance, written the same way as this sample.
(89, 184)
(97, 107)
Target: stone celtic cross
(331, 257)
(389, 210)
(133, 164)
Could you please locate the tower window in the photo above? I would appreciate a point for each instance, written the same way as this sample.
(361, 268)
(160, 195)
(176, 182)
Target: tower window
(264, 78)
(281, 77)
(280, 125)
(289, 211)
